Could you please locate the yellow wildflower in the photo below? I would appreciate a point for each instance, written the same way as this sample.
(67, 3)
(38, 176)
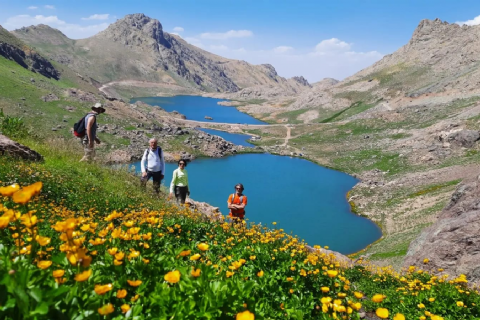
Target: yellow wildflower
(332, 273)
(245, 315)
(122, 293)
(203, 246)
(106, 309)
(399, 316)
(134, 283)
(382, 313)
(58, 273)
(9, 190)
(185, 253)
(378, 298)
(172, 276)
(196, 256)
(102, 289)
(44, 264)
(196, 273)
(83, 276)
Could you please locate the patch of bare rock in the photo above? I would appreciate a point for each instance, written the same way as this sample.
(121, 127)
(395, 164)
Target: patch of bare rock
(15, 149)
(453, 241)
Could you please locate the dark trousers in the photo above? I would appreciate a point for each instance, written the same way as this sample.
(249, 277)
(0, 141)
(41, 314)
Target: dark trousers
(181, 194)
(156, 177)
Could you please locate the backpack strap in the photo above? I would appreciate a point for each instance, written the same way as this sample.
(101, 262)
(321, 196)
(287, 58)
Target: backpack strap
(240, 198)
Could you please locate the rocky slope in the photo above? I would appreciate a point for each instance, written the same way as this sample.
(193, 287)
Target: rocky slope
(452, 243)
(13, 49)
(137, 48)
(440, 61)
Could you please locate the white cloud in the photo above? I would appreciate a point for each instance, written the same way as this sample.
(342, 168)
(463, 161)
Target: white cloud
(97, 17)
(47, 6)
(218, 47)
(71, 30)
(32, 8)
(178, 29)
(196, 42)
(330, 58)
(332, 45)
(282, 49)
(227, 35)
(475, 21)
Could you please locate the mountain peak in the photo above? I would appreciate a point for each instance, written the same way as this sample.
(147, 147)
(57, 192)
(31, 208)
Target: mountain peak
(134, 28)
(427, 29)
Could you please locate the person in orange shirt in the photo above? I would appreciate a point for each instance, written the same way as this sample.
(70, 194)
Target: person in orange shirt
(236, 203)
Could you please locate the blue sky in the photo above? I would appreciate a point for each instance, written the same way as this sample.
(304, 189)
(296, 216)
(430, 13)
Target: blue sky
(313, 38)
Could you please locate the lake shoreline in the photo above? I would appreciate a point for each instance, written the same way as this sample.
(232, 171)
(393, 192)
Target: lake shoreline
(236, 128)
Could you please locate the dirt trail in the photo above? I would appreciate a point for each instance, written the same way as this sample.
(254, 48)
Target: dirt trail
(287, 138)
(138, 83)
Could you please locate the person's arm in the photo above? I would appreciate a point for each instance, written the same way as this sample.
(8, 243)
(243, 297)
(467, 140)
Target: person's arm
(230, 202)
(186, 182)
(172, 184)
(90, 124)
(243, 204)
(142, 163)
(162, 164)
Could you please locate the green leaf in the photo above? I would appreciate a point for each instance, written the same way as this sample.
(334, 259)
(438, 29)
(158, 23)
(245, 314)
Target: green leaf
(36, 294)
(137, 310)
(60, 259)
(41, 309)
(22, 298)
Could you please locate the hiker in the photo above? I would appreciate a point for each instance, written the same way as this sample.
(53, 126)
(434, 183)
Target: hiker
(91, 132)
(179, 183)
(236, 203)
(152, 165)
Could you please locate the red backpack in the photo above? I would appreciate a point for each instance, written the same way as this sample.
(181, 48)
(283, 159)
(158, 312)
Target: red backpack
(79, 129)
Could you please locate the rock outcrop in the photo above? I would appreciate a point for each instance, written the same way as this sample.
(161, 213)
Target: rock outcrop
(16, 150)
(13, 49)
(464, 138)
(453, 241)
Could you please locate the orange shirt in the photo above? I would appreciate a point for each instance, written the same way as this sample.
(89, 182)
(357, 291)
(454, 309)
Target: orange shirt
(236, 200)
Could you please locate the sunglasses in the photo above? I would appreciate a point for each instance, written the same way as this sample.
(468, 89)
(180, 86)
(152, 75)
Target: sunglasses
(239, 188)
(181, 164)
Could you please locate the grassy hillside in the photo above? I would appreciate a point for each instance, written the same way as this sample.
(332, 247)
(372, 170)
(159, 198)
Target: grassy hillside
(92, 244)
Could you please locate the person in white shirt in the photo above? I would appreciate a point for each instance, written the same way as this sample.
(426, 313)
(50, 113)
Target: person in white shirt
(153, 165)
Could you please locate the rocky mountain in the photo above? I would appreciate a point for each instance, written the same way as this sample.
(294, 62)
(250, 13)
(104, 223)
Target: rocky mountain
(14, 49)
(440, 60)
(137, 48)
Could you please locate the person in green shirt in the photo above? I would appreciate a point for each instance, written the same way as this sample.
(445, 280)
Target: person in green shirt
(179, 183)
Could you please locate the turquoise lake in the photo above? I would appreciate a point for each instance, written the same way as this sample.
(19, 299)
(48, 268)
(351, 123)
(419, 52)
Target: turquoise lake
(196, 108)
(304, 199)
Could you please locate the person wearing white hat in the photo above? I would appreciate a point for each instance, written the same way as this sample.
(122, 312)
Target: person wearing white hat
(91, 132)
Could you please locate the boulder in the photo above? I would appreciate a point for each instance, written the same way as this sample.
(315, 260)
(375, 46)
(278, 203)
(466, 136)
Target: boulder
(464, 138)
(8, 146)
(50, 97)
(453, 241)
(209, 211)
